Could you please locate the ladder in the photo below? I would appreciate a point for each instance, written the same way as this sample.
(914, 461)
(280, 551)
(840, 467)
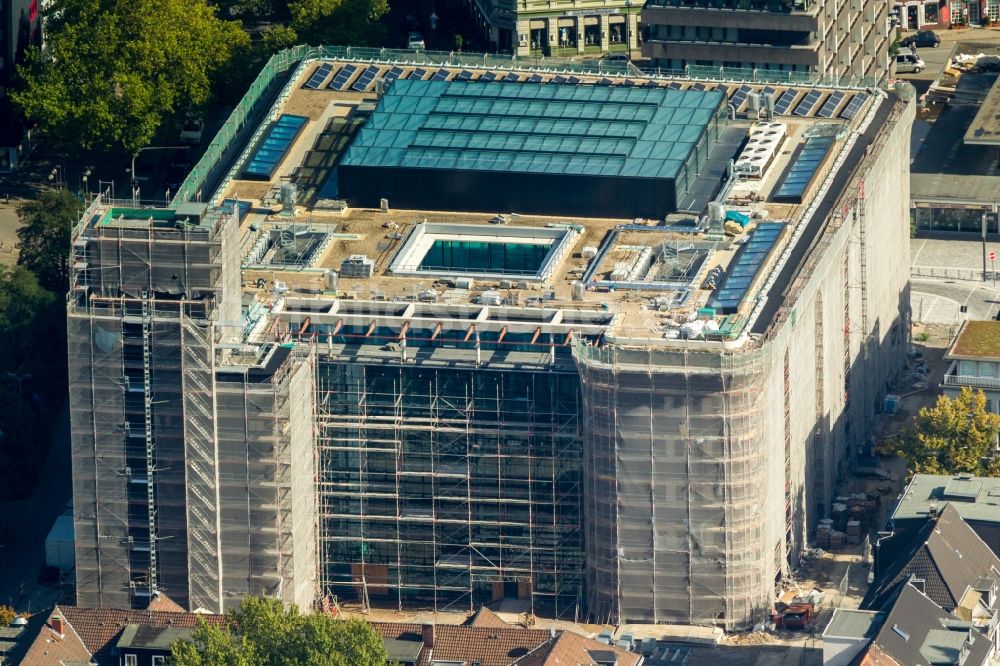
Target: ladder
(147, 320)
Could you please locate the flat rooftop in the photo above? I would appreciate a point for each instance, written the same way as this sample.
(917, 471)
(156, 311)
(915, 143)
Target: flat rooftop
(975, 498)
(984, 130)
(856, 624)
(977, 340)
(650, 276)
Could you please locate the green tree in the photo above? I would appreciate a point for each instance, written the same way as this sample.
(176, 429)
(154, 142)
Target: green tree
(264, 633)
(44, 237)
(956, 435)
(112, 70)
(344, 22)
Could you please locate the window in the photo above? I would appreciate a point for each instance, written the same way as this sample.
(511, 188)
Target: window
(131, 660)
(159, 660)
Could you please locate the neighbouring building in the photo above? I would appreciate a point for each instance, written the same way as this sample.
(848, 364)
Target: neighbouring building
(975, 498)
(946, 561)
(20, 27)
(574, 27)
(792, 39)
(626, 404)
(974, 362)
(909, 630)
(926, 14)
(64, 635)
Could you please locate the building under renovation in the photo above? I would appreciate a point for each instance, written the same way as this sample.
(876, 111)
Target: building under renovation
(290, 382)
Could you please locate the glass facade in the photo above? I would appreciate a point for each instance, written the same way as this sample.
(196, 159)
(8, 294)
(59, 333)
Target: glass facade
(507, 258)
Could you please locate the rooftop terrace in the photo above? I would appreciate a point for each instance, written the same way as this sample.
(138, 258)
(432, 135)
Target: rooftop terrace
(653, 273)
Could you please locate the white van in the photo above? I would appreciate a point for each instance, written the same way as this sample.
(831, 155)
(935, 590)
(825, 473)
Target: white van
(907, 63)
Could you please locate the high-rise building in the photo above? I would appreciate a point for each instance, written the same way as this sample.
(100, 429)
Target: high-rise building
(796, 38)
(602, 346)
(575, 27)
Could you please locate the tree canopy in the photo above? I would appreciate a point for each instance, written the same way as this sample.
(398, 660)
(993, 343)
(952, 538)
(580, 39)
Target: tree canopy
(262, 632)
(343, 22)
(44, 237)
(112, 70)
(956, 435)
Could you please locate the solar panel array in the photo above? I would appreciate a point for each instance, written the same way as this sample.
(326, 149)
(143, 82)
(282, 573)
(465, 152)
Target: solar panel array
(785, 101)
(319, 76)
(806, 107)
(391, 76)
(745, 267)
(343, 76)
(854, 106)
(808, 103)
(831, 105)
(740, 96)
(272, 149)
(366, 78)
(802, 170)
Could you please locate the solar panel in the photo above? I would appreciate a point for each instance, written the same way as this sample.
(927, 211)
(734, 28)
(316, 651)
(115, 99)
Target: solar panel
(511, 77)
(559, 78)
(802, 170)
(768, 90)
(365, 79)
(854, 106)
(740, 96)
(650, 84)
(319, 76)
(573, 79)
(464, 75)
(441, 75)
(785, 101)
(418, 73)
(534, 78)
(627, 83)
(698, 86)
(831, 105)
(488, 76)
(808, 103)
(745, 266)
(674, 85)
(605, 82)
(343, 76)
(723, 89)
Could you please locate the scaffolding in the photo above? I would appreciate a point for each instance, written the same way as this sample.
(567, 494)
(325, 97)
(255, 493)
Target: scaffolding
(450, 488)
(161, 476)
(677, 436)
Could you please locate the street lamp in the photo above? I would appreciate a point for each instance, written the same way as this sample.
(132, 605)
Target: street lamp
(56, 176)
(84, 177)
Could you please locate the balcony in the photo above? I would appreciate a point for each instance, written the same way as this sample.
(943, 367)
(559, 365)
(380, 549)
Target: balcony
(986, 383)
(661, 49)
(747, 19)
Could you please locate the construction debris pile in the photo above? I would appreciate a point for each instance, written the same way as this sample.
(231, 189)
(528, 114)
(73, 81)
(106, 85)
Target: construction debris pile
(851, 519)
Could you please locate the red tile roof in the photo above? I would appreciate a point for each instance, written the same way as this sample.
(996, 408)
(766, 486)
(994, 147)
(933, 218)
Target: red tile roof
(165, 604)
(48, 648)
(484, 617)
(99, 628)
(503, 646)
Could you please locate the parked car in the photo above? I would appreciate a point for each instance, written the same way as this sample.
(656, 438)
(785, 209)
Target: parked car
(192, 130)
(924, 38)
(907, 63)
(415, 41)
